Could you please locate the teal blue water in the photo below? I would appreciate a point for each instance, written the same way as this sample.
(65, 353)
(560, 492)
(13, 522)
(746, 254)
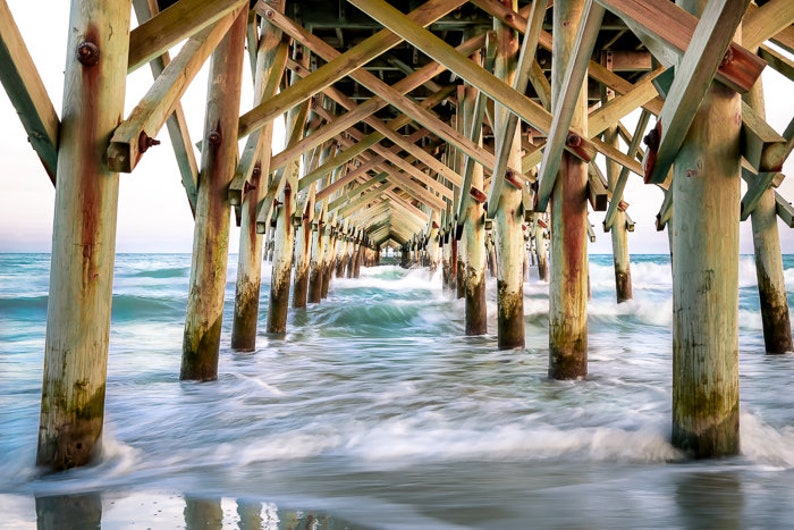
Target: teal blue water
(376, 412)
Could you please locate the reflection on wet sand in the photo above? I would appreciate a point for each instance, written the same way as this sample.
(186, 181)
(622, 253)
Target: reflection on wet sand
(69, 512)
(711, 500)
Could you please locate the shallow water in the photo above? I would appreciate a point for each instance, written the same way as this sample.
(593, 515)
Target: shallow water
(376, 412)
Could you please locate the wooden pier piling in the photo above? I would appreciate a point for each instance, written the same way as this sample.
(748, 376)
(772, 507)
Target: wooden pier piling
(706, 190)
(270, 61)
(202, 335)
(84, 237)
(569, 268)
(768, 258)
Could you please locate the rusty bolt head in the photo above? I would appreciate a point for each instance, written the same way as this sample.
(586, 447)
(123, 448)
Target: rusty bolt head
(145, 142)
(257, 171)
(573, 140)
(214, 138)
(652, 139)
(88, 53)
(269, 13)
(248, 187)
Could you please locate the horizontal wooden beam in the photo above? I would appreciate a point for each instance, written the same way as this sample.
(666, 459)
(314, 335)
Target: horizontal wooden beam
(784, 210)
(675, 27)
(761, 146)
(26, 91)
(437, 49)
(597, 192)
(338, 66)
(693, 77)
(777, 61)
(133, 136)
(173, 25)
(762, 23)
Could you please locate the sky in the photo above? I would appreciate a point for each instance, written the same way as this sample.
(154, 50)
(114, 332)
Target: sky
(154, 215)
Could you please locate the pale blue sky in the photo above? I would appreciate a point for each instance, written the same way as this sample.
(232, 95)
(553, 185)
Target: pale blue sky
(153, 210)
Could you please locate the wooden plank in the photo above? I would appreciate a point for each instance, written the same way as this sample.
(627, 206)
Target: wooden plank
(503, 136)
(339, 66)
(784, 210)
(757, 185)
(764, 22)
(440, 51)
(355, 192)
(675, 27)
(134, 135)
(597, 192)
(761, 146)
(171, 26)
(778, 61)
(408, 106)
(693, 77)
(619, 107)
(566, 102)
(665, 211)
(26, 91)
(785, 39)
(176, 123)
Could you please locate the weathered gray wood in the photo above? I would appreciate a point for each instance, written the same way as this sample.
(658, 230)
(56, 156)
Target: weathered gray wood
(705, 228)
(84, 237)
(168, 28)
(509, 217)
(620, 183)
(203, 321)
(278, 303)
(26, 91)
(693, 76)
(268, 71)
(131, 138)
(569, 224)
(762, 146)
(768, 257)
(620, 243)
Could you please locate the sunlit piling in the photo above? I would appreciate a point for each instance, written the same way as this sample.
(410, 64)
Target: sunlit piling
(569, 268)
(84, 237)
(204, 315)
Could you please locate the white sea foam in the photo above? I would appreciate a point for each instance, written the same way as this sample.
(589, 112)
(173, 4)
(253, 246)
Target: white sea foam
(766, 445)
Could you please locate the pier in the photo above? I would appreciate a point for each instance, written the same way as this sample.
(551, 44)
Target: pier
(465, 136)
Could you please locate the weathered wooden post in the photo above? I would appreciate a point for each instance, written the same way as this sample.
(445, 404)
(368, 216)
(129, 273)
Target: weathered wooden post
(319, 239)
(330, 236)
(768, 258)
(341, 250)
(618, 230)
(541, 254)
(278, 303)
(202, 336)
(706, 192)
(569, 272)
(84, 237)
(476, 316)
(509, 213)
(433, 247)
(268, 73)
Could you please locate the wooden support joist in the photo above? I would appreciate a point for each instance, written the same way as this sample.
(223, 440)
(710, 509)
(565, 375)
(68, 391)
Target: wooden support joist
(620, 185)
(26, 91)
(135, 135)
(560, 135)
(761, 146)
(597, 192)
(253, 145)
(474, 135)
(504, 135)
(785, 39)
(269, 204)
(171, 26)
(676, 28)
(784, 210)
(351, 176)
(693, 77)
(337, 203)
(401, 204)
(176, 123)
(757, 185)
(518, 21)
(777, 61)
(346, 209)
(408, 106)
(495, 88)
(366, 143)
(629, 222)
(591, 235)
(401, 163)
(338, 66)
(619, 107)
(375, 103)
(763, 23)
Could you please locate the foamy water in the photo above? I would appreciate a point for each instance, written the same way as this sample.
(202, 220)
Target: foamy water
(376, 412)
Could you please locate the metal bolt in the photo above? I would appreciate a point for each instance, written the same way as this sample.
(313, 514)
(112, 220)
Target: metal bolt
(214, 138)
(145, 142)
(573, 140)
(257, 171)
(88, 53)
(727, 58)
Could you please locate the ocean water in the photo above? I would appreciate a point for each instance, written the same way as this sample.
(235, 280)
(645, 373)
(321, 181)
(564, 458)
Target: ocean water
(376, 412)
